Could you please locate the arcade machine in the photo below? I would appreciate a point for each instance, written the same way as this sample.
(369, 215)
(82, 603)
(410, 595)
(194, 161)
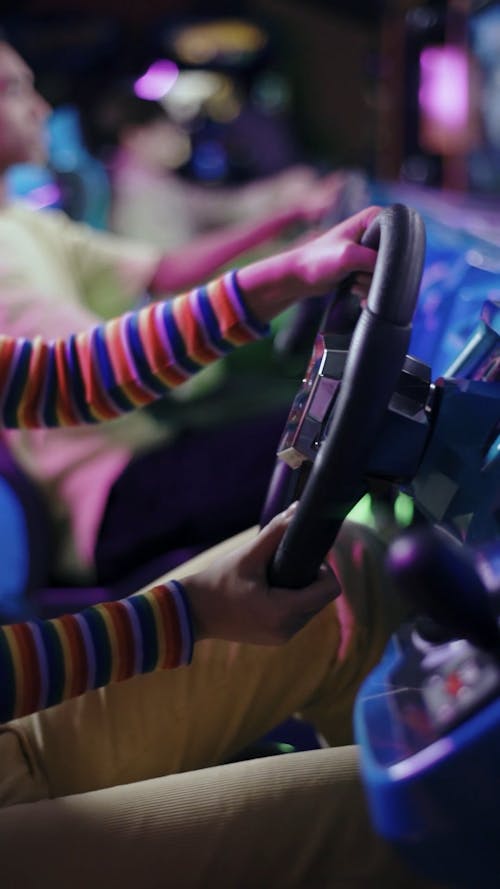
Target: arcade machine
(368, 416)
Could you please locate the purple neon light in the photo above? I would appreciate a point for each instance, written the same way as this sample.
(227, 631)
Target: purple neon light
(44, 196)
(157, 81)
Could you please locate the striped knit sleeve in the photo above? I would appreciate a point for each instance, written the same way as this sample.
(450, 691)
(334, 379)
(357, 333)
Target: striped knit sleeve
(45, 662)
(125, 363)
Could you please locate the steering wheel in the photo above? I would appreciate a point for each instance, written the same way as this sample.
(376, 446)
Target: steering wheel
(374, 362)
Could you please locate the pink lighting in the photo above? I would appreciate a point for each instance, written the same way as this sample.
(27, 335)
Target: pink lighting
(444, 99)
(157, 81)
(444, 90)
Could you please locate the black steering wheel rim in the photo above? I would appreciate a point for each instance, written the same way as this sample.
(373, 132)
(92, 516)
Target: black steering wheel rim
(376, 355)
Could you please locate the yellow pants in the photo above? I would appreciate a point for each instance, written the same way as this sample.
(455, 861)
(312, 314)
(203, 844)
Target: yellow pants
(123, 786)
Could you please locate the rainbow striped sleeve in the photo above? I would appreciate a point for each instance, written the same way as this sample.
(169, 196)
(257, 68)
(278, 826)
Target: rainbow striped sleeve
(45, 662)
(122, 364)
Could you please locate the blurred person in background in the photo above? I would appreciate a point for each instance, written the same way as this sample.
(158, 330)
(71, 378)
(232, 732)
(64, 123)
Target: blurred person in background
(58, 277)
(145, 147)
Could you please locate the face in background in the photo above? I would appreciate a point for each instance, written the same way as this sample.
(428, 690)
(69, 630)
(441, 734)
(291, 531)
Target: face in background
(158, 144)
(23, 113)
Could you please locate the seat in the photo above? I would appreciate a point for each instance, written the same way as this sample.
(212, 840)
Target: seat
(28, 587)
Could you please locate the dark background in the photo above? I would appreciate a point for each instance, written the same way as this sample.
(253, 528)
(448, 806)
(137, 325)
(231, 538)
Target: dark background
(344, 61)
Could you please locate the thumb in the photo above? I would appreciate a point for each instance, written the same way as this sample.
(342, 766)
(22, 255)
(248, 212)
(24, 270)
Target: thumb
(270, 536)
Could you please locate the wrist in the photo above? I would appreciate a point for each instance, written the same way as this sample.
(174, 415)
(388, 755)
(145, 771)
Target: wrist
(271, 285)
(185, 619)
(195, 596)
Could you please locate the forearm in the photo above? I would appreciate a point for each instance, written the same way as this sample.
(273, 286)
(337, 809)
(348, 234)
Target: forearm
(271, 285)
(203, 258)
(132, 360)
(122, 364)
(45, 662)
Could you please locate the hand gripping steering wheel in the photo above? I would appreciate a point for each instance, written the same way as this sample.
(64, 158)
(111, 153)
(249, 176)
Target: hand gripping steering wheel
(374, 362)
